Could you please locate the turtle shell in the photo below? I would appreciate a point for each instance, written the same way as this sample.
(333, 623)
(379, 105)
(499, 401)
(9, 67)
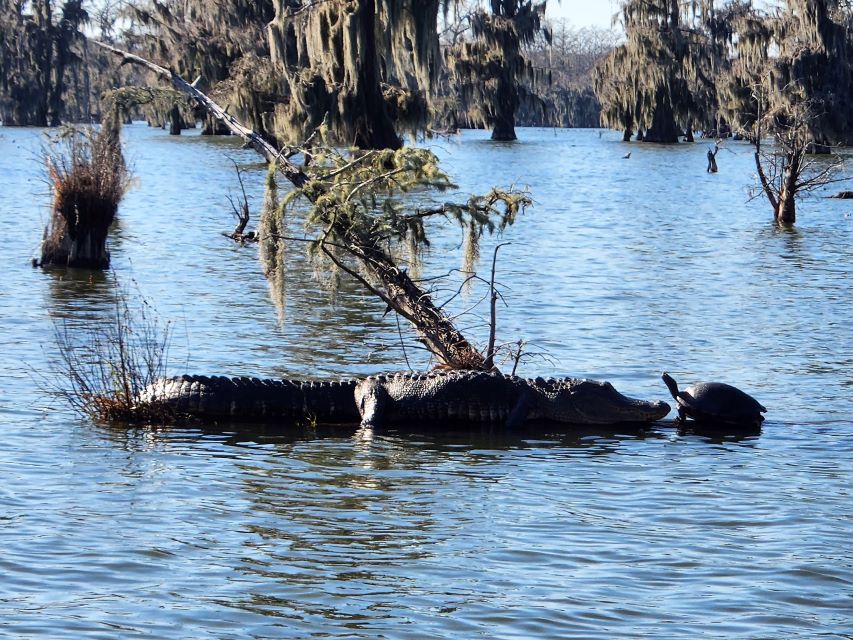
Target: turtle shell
(717, 401)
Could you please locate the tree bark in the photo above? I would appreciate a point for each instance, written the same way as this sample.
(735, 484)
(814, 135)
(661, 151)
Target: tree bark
(374, 128)
(435, 330)
(786, 212)
(176, 122)
(663, 129)
(507, 102)
(504, 131)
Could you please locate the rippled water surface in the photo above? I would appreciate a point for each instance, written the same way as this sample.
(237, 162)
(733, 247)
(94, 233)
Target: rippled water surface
(622, 269)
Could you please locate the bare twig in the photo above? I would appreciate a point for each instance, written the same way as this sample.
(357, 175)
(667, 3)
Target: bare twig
(241, 212)
(490, 350)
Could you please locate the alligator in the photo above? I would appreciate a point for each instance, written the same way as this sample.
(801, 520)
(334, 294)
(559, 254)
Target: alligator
(439, 396)
(252, 399)
(478, 396)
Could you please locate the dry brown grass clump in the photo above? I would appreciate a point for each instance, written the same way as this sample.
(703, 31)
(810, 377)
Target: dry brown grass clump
(89, 177)
(102, 368)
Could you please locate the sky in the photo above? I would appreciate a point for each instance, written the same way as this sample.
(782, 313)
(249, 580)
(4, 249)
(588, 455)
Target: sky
(583, 13)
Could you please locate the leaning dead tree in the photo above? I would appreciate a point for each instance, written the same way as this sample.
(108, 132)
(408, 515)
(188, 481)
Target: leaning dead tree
(357, 226)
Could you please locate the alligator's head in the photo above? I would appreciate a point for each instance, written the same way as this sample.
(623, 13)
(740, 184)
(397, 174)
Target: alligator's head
(592, 402)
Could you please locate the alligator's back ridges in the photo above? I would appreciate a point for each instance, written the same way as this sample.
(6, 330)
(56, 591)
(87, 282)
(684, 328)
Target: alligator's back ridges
(250, 399)
(438, 396)
(467, 396)
(477, 396)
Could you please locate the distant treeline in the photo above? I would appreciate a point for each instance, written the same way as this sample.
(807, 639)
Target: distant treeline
(50, 74)
(376, 69)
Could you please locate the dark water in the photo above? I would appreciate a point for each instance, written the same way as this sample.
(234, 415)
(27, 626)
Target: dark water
(624, 268)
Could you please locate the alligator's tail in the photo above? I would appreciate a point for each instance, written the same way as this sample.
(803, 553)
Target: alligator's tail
(253, 399)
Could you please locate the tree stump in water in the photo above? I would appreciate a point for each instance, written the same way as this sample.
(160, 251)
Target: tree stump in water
(712, 159)
(89, 179)
(72, 241)
(176, 121)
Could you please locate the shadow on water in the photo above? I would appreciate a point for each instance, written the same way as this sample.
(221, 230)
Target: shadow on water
(717, 432)
(416, 436)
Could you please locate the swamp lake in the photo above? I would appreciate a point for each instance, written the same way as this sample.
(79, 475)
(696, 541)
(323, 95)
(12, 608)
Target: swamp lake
(622, 269)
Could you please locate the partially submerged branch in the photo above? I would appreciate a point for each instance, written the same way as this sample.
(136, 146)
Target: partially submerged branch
(240, 210)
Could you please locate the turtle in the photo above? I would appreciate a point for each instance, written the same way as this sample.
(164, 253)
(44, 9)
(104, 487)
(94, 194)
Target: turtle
(715, 402)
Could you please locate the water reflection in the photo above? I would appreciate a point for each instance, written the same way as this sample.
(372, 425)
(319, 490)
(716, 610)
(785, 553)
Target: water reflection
(586, 439)
(337, 521)
(79, 293)
(246, 531)
(718, 432)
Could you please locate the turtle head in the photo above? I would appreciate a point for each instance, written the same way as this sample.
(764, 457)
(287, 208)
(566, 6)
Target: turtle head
(671, 384)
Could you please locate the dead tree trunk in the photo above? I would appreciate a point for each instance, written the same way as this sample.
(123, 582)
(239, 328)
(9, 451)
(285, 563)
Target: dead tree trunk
(434, 329)
(176, 121)
(786, 209)
(712, 159)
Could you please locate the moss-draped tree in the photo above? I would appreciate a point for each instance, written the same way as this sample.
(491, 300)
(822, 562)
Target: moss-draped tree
(223, 44)
(366, 67)
(40, 45)
(661, 79)
(490, 67)
(790, 78)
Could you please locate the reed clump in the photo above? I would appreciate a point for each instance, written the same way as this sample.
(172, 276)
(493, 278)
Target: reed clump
(89, 176)
(103, 368)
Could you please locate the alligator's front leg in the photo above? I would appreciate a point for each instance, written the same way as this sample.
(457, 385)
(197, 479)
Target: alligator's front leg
(373, 402)
(520, 412)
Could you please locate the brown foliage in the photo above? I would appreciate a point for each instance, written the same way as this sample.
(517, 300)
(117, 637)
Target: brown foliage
(89, 177)
(101, 369)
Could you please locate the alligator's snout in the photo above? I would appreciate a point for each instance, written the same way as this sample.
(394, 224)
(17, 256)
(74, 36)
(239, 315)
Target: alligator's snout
(655, 410)
(601, 403)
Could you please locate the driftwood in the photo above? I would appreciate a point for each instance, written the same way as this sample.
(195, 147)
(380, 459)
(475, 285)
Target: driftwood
(434, 329)
(712, 158)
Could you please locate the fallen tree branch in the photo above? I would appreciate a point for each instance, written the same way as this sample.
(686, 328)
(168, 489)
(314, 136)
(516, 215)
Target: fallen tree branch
(433, 327)
(269, 152)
